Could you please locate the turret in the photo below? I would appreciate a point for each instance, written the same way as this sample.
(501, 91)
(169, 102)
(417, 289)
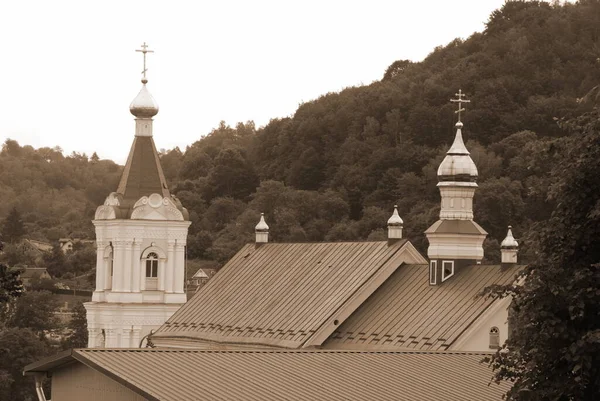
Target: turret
(262, 231)
(509, 248)
(394, 225)
(455, 240)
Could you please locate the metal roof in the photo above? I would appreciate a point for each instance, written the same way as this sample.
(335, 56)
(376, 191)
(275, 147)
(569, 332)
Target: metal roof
(287, 295)
(408, 313)
(142, 175)
(292, 375)
(455, 227)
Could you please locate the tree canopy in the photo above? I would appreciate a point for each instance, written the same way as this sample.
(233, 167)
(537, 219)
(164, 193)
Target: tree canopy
(554, 350)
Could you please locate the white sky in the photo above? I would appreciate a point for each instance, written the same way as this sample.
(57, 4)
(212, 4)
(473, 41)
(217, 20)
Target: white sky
(68, 69)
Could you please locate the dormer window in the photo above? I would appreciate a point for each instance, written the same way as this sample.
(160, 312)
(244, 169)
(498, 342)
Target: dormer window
(447, 269)
(494, 338)
(433, 272)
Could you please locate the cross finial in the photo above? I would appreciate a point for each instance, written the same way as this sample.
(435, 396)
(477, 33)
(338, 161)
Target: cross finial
(144, 50)
(460, 101)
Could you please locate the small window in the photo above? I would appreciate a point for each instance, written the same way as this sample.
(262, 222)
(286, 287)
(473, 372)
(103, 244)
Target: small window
(152, 265)
(494, 338)
(447, 269)
(433, 272)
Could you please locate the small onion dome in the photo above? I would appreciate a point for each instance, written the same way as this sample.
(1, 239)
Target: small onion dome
(457, 165)
(262, 225)
(395, 220)
(144, 105)
(509, 241)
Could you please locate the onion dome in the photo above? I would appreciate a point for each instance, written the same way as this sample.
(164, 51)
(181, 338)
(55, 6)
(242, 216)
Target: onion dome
(395, 220)
(510, 241)
(144, 105)
(457, 165)
(262, 224)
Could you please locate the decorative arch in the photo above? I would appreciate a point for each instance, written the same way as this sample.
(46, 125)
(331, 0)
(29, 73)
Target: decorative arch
(153, 249)
(153, 266)
(108, 266)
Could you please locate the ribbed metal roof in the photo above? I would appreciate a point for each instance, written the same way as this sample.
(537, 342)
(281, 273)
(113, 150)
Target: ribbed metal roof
(408, 313)
(295, 375)
(143, 173)
(286, 295)
(455, 227)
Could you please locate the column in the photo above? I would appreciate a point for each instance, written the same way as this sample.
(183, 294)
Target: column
(125, 337)
(118, 262)
(179, 267)
(127, 264)
(100, 266)
(135, 336)
(169, 271)
(93, 334)
(111, 340)
(137, 277)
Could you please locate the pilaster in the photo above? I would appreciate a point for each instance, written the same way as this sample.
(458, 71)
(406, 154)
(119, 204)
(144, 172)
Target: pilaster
(137, 266)
(170, 273)
(179, 267)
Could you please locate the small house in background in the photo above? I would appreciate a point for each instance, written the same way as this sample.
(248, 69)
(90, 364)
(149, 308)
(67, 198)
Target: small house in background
(29, 273)
(67, 244)
(200, 277)
(39, 245)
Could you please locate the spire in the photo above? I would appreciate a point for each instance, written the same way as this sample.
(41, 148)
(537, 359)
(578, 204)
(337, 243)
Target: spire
(144, 105)
(509, 241)
(395, 225)
(262, 230)
(458, 165)
(143, 174)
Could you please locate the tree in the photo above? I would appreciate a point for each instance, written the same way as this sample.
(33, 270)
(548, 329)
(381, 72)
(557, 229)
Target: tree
(77, 327)
(19, 347)
(13, 229)
(55, 261)
(11, 285)
(35, 310)
(554, 350)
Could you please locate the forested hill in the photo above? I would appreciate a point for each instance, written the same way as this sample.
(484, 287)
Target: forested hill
(334, 170)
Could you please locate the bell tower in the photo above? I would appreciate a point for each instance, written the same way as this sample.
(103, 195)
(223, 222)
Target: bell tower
(455, 240)
(141, 233)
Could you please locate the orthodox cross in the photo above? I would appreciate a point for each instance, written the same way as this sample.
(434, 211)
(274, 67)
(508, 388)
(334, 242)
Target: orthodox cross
(460, 101)
(144, 50)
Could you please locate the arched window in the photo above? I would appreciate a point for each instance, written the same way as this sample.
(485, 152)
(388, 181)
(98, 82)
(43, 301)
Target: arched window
(494, 338)
(152, 265)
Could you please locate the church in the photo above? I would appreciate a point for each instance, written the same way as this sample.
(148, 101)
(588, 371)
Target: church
(332, 321)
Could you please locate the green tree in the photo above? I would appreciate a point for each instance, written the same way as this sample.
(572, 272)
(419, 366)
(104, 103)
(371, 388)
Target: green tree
(13, 229)
(19, 347)
(554, 351)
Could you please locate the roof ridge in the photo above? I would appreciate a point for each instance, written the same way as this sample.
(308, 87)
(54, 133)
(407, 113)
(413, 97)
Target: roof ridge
(275, 351)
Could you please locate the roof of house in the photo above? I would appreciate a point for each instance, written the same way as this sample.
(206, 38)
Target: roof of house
(40, 245)
(287, 295)
(142, 175)
(29, 272)
(291, 375)
(408, 313)
(456, 227)
(200, 274)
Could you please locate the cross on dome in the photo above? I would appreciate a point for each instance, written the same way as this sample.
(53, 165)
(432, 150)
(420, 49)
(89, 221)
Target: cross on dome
(144, 50)
(460, 101)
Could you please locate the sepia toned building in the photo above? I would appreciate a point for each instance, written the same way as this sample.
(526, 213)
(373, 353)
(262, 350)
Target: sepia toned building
(141, 233)
(330, 321)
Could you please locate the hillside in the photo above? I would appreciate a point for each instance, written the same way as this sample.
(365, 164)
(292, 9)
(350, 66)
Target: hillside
(335, 168)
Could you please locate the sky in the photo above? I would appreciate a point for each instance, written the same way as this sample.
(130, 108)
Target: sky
(68, 69)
